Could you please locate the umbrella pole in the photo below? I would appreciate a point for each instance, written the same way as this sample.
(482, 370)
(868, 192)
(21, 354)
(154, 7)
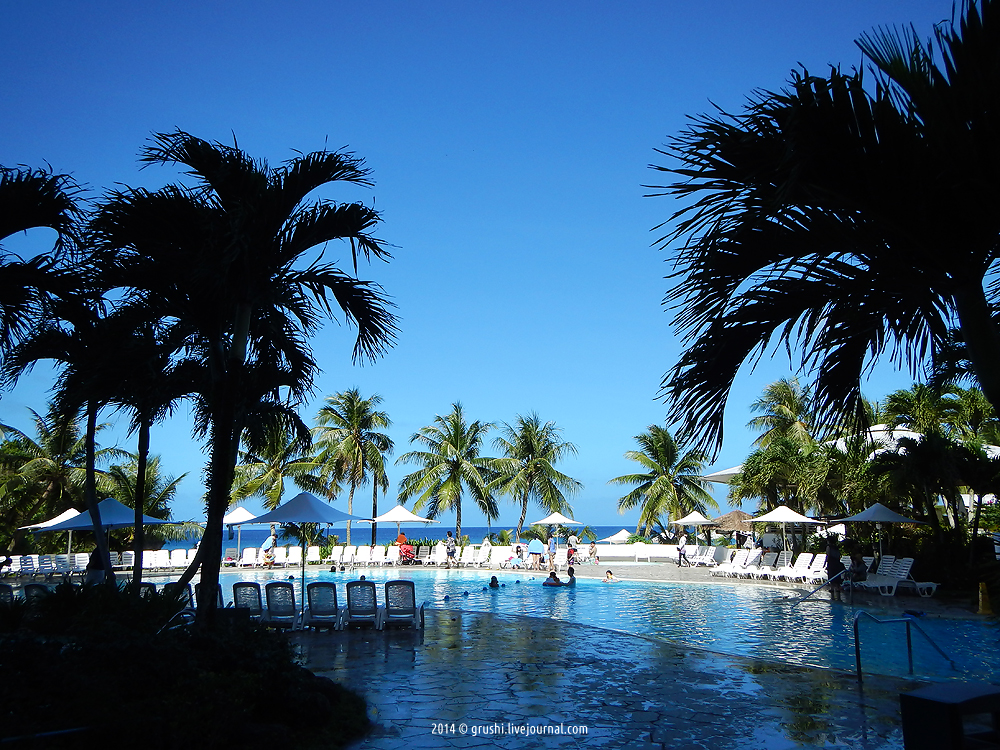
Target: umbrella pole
(302, 606)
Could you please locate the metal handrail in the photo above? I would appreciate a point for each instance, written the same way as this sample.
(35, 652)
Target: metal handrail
(909, 621)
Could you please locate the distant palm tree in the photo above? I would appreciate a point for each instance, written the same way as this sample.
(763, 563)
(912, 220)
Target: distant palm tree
(284, 454)
(921, 408)
(527, 470)
(808, 221)
(784, 412)
(349, 441)
(671, 484)
(450, 464)
(155, 496)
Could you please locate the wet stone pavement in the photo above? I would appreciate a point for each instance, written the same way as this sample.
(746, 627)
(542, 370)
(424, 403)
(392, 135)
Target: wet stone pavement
(481, 680)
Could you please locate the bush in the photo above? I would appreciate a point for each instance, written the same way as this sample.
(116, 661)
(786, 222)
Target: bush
(94, 659)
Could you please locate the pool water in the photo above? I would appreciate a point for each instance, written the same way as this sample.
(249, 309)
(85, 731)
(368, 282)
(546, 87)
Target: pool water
(740, 620)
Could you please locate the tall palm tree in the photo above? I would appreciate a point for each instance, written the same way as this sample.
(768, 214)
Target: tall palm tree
(809, 221)
(450, 464)
(152, 493)
(350, 442)
(227, 261)
(671, 483)
(923, 409)
(527, 470)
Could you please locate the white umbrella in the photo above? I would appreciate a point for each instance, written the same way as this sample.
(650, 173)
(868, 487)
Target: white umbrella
(399, 515)
(723, 477)
(304, 508)
(64, 516)
(783, 514)
(237, 516)
(694, 518)
(557, 519)
(619, 538)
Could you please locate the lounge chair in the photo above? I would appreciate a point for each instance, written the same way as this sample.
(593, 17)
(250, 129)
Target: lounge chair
(178, 558)
(561, 560)
(704, 556)
(47, 566)
(401, 605)
(377, 556)
(147, 590)
(312, 555)
(335, 554)
(323, 610)
(280, 556)
(295, 557)
(363, 556)
(468, 556)
(281, 610)
(184, 595)
(6, 594)
(796, 571)
(80, 562)
(362, 606)
(887, 582)
(769, 563)
(230, 556)
(347, 558)
(639, 548)
(753, 563)
(219, 603)
(249, 557)
(734, 560)
(817, 570)
(392, 555)
(246, 595)
(191, 555)
(423, 554)
(35, 592)
(439, 556)
(125, 562)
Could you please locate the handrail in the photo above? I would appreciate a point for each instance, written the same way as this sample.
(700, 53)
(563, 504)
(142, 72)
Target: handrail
(909, 642)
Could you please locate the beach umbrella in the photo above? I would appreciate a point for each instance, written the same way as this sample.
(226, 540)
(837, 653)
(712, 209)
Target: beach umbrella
(234, 517)
(694, 518)
(784, 515)
(878, 514)
(399, 515)
(723, 477)
(64, 516)
(304, 508)
(114, 515)
(620, 538)
(557, 519)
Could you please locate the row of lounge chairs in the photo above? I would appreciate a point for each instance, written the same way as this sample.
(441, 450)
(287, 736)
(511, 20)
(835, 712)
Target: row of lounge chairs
(892, 573)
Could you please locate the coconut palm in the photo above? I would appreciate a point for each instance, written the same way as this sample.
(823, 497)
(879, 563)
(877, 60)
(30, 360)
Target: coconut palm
(349, 441)
(809, 221)
(153, 495)
(923, 409)
(784, 412)
(671, 484)
(450, 464)
(284, 454)
(227, 262)
(527, 470)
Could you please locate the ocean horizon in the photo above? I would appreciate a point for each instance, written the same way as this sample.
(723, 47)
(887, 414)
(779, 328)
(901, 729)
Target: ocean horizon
(254, 536)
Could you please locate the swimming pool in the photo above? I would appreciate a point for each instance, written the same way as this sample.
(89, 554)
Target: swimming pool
(740, 620)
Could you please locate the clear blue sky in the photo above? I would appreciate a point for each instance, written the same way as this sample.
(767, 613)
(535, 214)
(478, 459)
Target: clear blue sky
(509, 143)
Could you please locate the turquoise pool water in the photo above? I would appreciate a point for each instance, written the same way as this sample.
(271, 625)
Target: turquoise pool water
(741, 620)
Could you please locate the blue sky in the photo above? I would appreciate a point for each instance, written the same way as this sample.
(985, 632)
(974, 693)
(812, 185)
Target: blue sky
(509, 143)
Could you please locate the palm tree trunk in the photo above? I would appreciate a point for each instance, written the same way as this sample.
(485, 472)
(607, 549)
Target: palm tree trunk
(458, 520)
(374, 506)
(90, 492)
(524, 514)
(350, 510)
(139, 498)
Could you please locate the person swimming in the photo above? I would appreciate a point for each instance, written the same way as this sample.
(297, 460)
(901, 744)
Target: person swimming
(609, 577)
(552, 580)
(494, 583)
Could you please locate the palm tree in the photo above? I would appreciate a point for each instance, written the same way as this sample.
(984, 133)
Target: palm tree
(784, 412)
(923, 409)
(450, 464)
(225, 262)
(152, 495)
(350, 442)
(527, 470)
(671, 484)
(284, 454)
(809, 221)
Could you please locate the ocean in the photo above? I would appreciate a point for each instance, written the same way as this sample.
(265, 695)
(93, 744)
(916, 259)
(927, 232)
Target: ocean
(254, 536)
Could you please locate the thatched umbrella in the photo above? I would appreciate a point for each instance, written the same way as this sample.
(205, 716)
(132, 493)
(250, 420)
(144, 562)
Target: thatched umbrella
(736, 520)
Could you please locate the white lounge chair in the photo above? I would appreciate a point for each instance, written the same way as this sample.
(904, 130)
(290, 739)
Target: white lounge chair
(769, 563)
(295, 556)
(347, 556)
(363, 556)
(423, 554)
(249, 558)
(796, 571)
(468, 556)
(561, 560)
(817, 570)
(704, 556)
(735, 560)
(392, 555)
(178, 558)
(886, 583)
(439, 556)
(377, 556)
(312, 555)
(336, 553)
(640, 551)
(280, 556)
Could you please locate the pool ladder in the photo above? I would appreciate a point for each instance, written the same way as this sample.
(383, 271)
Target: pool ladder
(910, 623)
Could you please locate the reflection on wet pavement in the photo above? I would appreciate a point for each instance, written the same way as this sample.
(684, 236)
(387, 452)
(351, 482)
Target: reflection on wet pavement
(478, 680)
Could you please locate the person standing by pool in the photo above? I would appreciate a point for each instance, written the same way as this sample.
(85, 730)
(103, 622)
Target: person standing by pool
(552, 552)
(681, 554)
(834, 567)
(450, 545)
(267, 550)
(593, 554)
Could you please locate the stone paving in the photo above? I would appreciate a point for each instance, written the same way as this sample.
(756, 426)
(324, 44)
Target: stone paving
(480, 680)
